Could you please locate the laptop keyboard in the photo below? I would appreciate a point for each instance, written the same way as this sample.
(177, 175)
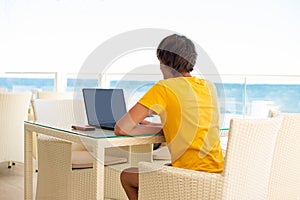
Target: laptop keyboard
(108, 126)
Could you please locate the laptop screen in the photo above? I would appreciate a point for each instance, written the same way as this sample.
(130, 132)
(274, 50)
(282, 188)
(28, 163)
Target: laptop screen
(103, 105)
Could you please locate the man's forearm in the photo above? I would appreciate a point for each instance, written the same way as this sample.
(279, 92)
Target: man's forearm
(145, 129)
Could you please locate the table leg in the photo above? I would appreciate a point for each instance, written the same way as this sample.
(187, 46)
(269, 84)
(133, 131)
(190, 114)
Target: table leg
(99, 171)
(28, 177)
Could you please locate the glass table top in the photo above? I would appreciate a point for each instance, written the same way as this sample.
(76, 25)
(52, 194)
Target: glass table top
(98, 133)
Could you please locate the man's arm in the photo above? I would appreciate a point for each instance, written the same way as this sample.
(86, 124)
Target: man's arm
(132, 122)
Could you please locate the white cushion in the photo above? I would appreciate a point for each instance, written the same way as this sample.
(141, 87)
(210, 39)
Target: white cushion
(112, 160)
(162, 153)
(83, 159)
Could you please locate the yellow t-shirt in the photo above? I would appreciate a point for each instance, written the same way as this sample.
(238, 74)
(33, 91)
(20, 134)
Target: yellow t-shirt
(189, 113)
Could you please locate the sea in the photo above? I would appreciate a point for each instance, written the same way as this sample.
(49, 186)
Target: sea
(234, 98)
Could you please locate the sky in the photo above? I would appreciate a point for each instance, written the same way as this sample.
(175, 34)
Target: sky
(241, 37)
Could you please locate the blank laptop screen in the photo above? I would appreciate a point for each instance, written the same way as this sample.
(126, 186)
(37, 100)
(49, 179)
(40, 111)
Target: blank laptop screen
(103, 105)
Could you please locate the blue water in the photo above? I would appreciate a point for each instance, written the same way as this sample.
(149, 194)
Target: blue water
(13, 84)
(232, 96)
(45, 84)
(287, 97)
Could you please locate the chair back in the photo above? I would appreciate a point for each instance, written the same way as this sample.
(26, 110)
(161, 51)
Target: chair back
(59, 112)
(54, 95)
(248, 158)
(54, 179)
(14, 111)
(285, 171)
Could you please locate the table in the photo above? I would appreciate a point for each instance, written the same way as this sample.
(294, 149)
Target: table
(95, 141)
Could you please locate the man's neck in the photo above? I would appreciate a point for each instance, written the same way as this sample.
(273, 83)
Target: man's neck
(186, 74)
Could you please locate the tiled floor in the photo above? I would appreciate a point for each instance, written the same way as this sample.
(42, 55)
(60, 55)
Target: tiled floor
(12, 181)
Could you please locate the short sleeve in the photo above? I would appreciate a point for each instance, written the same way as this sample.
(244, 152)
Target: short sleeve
(155, 98)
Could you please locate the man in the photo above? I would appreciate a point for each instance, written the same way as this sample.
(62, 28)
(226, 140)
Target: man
(188, 110)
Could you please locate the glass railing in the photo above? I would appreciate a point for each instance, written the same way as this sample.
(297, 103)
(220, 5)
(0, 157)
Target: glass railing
(44, 81)
(239, 96)
(19, 81)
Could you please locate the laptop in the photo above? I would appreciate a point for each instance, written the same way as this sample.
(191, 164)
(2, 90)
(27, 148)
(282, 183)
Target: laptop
(104, 107)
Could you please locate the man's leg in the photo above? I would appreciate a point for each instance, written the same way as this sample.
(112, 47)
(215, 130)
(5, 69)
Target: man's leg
(130, 182)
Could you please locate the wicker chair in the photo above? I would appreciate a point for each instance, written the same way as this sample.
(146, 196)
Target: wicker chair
(58, 177)
(59, 112)
(37, 94)
(14, 110)
(58, 180)
(285, 171)
(246, 174)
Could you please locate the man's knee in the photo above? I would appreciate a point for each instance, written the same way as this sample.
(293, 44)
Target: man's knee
(123, 176)
(128, 176)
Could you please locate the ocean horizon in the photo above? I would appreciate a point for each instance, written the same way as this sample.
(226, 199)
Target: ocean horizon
(233, 97)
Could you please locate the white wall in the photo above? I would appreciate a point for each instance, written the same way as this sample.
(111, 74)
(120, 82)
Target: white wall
(241, 37)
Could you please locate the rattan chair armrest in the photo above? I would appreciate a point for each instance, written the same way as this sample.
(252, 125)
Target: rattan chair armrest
(165, 182)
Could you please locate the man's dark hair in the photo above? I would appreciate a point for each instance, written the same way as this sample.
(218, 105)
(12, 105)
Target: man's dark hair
(177, 52)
